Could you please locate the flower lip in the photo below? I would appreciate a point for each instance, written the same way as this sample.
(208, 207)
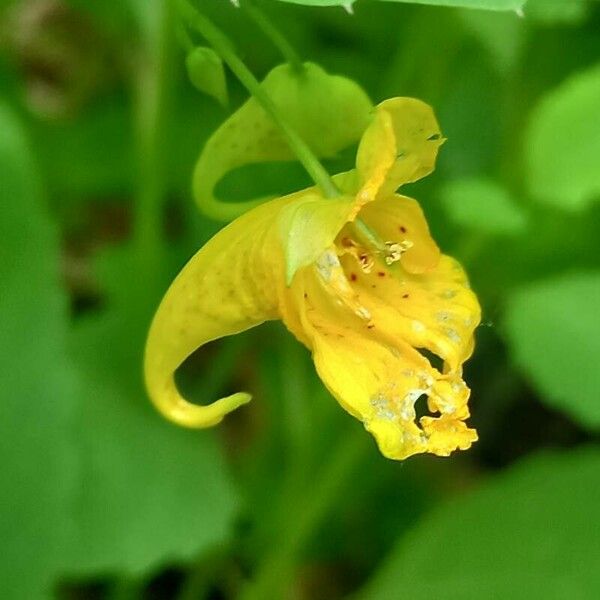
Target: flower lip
(406, 306)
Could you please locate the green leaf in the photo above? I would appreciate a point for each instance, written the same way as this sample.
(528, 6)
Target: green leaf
(483, 205)
(553, 329)
(206, 72)
(328, 111)
(38, 385)
(481, 4)
(322, 2)
(105, 484)
(151, 492)
(563, 143)
(515, 5)
(309, 227)
(529, 533)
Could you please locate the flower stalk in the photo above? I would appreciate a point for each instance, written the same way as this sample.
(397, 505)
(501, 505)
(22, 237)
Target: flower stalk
(277, 38)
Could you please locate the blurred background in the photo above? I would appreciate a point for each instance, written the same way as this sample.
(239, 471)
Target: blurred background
(288, 498)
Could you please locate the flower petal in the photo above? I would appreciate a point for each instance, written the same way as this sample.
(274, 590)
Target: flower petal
(375, 157)
(381, 388)
(377, 376)
(369, 329)
(399, 146)
(230, 285)
(423, 299)
(435, 310)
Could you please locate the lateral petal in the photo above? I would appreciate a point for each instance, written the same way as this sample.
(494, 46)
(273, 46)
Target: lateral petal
(424, 298)
(435, 311)
(377, 376)
(400, 146)
(373, 333)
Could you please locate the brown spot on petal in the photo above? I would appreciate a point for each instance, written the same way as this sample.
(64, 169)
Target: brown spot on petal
(405, 295)
(353, 276)
(380, 273)
(402, 229)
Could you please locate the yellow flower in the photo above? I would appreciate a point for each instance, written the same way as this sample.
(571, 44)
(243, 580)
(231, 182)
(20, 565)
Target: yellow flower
(373, 309)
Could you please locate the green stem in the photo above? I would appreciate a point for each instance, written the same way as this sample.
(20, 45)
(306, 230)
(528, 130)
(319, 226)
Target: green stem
(368, 237)
(277, 38)
(276, 571)
(222, 46)
(152, 91)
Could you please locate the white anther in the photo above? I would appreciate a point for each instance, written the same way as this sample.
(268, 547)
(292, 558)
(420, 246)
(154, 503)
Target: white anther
(395, 250)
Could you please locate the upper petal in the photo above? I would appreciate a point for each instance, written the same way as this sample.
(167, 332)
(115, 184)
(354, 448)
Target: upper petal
(399, 146)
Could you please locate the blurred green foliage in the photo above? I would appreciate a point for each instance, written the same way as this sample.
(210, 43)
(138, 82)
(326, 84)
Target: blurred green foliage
(562, 143)
(38, 383)
(517, 549)
(100, 498)
(566, 370)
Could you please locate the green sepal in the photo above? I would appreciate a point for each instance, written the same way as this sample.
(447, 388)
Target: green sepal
(308, 227)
